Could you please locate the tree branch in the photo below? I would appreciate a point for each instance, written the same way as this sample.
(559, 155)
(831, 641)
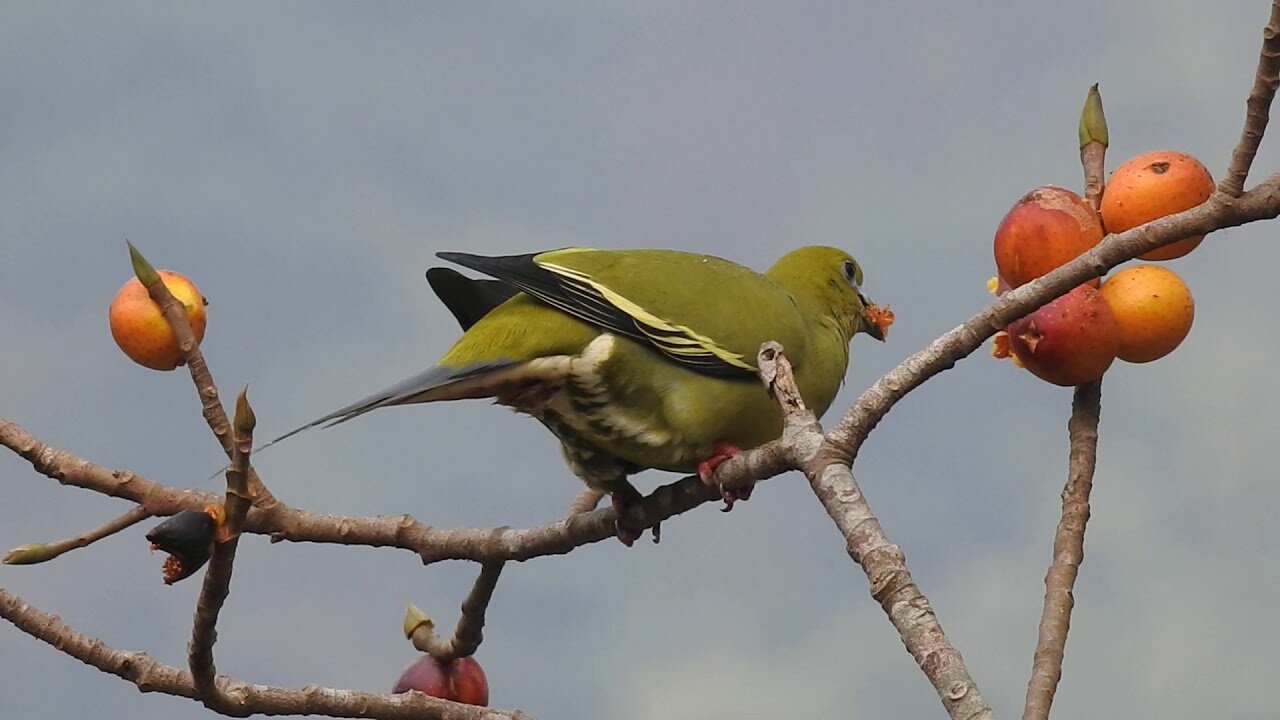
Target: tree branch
(1068, 553)
(881, 560)
(892, 586)
(210, 404)
(1257, 107)
(245, 699)
(1219, 211)
(469, 632)
(283, 522)
(43, 552)
(217, 578)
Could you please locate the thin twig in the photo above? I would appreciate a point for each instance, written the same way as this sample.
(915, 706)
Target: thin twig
(245, 699)
(44, 552)
(1068, 553)
(469, 632)
(1257, 107)
(211, 405)
(217, 578)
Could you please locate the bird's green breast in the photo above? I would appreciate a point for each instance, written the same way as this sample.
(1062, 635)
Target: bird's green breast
(629, 401)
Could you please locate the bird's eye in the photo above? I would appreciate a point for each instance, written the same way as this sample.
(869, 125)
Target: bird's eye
(852, 272)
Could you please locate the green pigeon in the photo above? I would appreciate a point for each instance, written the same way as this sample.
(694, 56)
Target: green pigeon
(639, 359)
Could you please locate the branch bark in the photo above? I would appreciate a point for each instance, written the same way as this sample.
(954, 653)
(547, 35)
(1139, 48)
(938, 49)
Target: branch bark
(1218, 212)
(44, 552)
(283, 522)
(1068, 553)
(210, 404)
(1257, 107)
(469, 632)
(882, 561)
(244, 699)
(217, 577)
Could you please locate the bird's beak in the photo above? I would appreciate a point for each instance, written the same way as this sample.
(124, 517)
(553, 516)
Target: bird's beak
(864, 323)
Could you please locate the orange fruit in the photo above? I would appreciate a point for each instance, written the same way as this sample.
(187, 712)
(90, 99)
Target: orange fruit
(1150, 186)
(1153, 309)
(141, 331)
(1044, 229)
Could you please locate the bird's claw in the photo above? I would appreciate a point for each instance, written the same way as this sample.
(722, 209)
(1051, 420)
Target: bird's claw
(622, 502)
(732, 495)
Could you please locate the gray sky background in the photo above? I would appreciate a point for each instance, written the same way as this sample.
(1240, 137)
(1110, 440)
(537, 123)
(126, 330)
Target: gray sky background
(303, 163)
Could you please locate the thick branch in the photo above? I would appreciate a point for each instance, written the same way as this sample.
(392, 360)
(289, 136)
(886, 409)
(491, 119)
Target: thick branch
(283, 522)
(244, 699)
(1257, 107)
(1068, 553)
(891, 585)
(882, 561)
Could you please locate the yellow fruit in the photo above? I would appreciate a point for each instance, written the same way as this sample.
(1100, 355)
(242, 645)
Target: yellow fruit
(141, 331)
(1153, 310)
(1150, 186)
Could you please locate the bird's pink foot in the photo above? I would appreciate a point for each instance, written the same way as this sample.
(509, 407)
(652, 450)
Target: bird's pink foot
(722, 451)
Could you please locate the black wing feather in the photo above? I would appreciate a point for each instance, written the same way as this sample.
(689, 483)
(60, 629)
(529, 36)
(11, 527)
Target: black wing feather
(469, 299)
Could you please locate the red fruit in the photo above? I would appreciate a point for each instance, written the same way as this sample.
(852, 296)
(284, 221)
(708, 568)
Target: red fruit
(1049, 226)
(461, 680)
(1070, 341)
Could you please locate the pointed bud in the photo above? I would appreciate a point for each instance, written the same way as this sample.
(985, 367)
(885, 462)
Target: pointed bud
(27, 554)
(147, 275)
(415, 618)
(1093, 122)
(243, 420)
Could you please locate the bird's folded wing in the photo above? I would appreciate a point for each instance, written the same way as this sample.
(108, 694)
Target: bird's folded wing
(707, 314)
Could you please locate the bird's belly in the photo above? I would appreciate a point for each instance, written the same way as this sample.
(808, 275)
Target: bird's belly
(592, 422)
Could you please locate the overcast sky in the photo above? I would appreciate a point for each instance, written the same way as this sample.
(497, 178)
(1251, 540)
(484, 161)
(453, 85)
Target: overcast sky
(303, 162)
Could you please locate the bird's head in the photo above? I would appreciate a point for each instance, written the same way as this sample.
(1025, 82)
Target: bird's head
(828, 281)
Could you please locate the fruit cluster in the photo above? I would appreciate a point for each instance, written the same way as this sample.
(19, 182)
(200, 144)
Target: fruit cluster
(1138, 314)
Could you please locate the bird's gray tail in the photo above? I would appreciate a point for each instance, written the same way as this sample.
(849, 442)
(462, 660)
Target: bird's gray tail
(436, 383)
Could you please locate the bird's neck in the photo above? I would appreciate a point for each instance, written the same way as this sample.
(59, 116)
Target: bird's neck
(827, 357)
